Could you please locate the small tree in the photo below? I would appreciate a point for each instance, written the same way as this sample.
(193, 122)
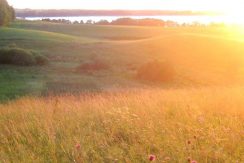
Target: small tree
(7, 13)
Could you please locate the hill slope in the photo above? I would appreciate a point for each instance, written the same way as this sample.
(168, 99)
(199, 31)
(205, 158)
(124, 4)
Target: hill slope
(200, 56)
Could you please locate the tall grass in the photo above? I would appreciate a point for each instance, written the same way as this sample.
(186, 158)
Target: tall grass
(206, 125)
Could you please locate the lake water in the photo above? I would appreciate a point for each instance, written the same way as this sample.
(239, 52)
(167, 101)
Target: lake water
(178, 19)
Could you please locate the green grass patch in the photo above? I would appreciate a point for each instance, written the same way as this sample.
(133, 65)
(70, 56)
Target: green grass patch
(19, 81)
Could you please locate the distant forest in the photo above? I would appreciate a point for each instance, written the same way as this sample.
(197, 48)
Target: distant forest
(60, 13)
(134, 22)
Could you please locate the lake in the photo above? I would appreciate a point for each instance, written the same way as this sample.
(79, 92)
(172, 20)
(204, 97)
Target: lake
(179, 19)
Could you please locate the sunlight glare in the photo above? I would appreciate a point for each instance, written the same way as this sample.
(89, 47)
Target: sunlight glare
(234, 13)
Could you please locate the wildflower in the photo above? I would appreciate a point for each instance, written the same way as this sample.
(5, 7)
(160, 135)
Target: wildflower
(77, 146)
(152, 157)
(201, 119)
(193, 161)
(188, 142)
(189, 159)
(167, 158)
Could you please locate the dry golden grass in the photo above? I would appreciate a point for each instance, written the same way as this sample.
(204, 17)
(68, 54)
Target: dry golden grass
(205, 124)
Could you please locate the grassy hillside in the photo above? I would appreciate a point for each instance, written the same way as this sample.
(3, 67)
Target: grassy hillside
(87, 105)
(200, 56)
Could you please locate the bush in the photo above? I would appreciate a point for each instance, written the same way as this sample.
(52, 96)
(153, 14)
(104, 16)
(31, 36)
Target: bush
(12, 45)
(40, 59)
(156, 71)
(16, 56)
(93, 66)
(21, 57)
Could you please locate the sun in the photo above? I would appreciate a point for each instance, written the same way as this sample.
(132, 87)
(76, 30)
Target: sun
(234, 13)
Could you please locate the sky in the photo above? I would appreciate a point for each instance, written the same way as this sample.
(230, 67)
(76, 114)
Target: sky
(194, 5)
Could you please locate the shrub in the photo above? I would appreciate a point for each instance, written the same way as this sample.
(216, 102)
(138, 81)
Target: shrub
(156, 71)
(21, 57)
(16, 56)
(12, 45)
(93, 66)
(41, 60)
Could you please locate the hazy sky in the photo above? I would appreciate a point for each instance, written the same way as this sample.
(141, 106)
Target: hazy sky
(219, 5)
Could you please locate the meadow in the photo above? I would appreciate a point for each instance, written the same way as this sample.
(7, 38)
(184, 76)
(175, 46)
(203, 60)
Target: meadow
(60, 113)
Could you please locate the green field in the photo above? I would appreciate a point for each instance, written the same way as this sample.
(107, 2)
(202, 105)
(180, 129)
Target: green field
(201, 56)
(46, 111)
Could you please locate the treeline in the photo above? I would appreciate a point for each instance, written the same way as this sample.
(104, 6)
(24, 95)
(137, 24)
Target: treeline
(139, 22)
(7, 13)
(120, 21)
(135, 22)
(61, 13)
